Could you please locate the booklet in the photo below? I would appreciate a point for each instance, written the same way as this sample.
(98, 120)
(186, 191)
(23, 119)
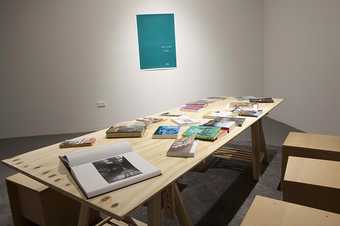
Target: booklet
(183, 147)
(108, 167)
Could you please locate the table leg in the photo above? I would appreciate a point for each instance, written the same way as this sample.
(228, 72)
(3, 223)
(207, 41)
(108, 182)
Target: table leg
(87, 216)
(258, 148)
(181, 212)
(154, 210)
(17, 215)
(262, 142)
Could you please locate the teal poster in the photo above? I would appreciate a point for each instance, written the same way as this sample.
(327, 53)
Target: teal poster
(156, 39)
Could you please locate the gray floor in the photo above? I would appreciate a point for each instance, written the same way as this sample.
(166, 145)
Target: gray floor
(219, 196)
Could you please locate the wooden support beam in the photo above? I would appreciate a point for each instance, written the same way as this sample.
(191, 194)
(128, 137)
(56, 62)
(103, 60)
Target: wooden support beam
(154, 210)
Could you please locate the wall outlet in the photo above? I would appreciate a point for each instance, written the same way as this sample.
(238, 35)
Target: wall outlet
(100, 104)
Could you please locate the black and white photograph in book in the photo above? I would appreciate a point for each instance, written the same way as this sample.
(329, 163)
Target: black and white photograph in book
(115, 169)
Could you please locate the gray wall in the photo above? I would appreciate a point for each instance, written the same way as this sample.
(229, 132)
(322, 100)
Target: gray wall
(59, 57)
(302, 62)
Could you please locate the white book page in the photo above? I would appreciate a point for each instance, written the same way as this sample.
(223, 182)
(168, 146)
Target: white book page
(98, 152)
(93, 182)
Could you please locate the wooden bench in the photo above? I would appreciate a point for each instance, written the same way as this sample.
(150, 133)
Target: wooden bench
(310, 146)
(271, 212)
(34, 203)
(313, 182)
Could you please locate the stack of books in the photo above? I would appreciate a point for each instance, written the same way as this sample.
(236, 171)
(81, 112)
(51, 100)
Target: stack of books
(126, 130)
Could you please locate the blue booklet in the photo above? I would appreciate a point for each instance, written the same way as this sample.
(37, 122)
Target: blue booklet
(166, 132)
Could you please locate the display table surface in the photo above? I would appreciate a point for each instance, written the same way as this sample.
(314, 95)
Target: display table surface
(44, 166)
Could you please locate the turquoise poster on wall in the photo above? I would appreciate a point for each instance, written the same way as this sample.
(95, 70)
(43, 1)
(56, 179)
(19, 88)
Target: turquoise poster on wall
(156, 39)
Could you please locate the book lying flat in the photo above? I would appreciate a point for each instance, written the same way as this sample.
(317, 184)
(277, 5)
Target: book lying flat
(77, 142)
(185, 120)
(249, 113)
(261, 100)
(166, 132)
(217, 98)
(126, 129)
(193, 108)
(105, 168)
(217, 114)
(208, 133)
(239, 121)
(222, 123)
(183, 147)
(150, 120)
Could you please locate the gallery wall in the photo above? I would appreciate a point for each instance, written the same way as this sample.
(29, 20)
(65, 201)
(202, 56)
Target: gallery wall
(302, 62)
(58, 58)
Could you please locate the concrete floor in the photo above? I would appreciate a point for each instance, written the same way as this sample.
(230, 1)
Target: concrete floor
(219, 196)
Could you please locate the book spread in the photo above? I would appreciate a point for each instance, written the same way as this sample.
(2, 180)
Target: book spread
(105, 168)
(208, 133)
(183, 147)
(126, 129)
(77, 142)
(166, 132)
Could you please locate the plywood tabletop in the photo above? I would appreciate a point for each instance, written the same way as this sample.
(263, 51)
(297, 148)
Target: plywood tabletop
(313, 171)
(313, 141)
(270, 212)
(44, 165)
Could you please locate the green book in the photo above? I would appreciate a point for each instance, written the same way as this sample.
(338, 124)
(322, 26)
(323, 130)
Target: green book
(203, 132)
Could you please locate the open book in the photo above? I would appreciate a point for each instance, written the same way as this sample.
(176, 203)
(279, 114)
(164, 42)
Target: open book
(107, 167)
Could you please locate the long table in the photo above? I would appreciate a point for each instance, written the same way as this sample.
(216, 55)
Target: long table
(44, 166)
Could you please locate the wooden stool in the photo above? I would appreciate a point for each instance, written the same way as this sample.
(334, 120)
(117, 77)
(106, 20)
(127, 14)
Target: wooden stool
(313, 182)
(310, 146)
(270, 212)
(34, 203)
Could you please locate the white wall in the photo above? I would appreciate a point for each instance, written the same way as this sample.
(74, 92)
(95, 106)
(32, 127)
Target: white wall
(302, 62)
(59, 57)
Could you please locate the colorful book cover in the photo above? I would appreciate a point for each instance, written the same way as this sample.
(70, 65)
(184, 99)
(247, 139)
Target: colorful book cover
(166, 132)
(203, 132)
(183, 147)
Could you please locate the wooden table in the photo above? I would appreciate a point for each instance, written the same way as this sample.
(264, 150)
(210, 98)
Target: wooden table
(44, 166)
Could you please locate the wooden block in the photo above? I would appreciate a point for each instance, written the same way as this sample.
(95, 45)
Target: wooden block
(271, 212)
(34, 202)
(313, 182)
(310, 146)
